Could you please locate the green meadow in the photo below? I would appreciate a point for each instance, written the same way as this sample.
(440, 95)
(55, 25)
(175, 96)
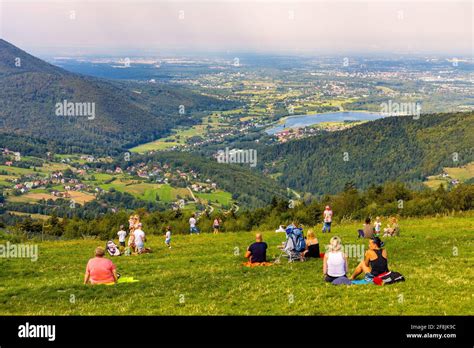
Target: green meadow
(203, 275)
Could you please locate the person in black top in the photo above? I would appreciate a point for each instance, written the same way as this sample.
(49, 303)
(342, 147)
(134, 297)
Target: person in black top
(312, 246)
(257, 252)
(375, 261)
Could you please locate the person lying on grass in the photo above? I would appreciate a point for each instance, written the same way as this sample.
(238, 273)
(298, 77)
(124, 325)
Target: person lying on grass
(335, 261)
(100, 270)
(257, 252)
(375, 260)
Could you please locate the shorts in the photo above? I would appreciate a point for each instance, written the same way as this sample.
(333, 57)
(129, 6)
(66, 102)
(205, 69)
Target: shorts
(122, 243)
(168, 240)
(140, 246)
(369, 276)
(326, 226)
(193, 230)
(330, 279)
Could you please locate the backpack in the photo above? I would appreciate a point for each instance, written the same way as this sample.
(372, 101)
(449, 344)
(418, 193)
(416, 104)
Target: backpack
(300, 243)
(388, 278)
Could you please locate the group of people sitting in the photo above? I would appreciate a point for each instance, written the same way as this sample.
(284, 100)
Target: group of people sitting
(368, 230)
(296, 246)
(336, 266)
(335, 261)
(136, 239)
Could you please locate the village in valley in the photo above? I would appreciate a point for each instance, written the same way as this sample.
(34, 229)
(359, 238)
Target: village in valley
(80, 179)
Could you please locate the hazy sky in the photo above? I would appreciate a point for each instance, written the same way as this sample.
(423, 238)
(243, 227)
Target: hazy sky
(324, 26)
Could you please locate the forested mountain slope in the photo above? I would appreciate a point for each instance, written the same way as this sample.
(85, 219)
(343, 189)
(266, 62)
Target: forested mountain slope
(392, 148)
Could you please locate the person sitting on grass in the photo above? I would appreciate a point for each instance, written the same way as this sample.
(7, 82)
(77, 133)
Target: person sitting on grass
(312, 246)
(257, 252)
(392, 229)
(368, 229)
(375, 260)
(335, 261)
(100, 270)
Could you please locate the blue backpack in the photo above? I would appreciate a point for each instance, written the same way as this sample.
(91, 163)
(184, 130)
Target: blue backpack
(300, 242)
(298, 239)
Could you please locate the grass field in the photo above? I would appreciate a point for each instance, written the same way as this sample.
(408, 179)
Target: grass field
(203, 275)
(180, 136)
(221, 197)
(462, 174)
(77, 196)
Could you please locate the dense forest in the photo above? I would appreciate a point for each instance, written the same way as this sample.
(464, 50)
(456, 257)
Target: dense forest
(392, 148)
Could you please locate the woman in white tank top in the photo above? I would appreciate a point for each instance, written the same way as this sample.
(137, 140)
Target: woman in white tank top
(335, 261)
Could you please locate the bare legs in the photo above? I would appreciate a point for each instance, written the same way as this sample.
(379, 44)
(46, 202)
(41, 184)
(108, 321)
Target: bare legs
(361, 267)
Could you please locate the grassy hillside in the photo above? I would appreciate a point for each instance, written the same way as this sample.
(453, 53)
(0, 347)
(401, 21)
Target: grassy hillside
(203, 275)
(247, 185)
(392, 148)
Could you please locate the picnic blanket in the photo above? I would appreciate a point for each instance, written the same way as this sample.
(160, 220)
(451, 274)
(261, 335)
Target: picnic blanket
(255, 264)
(124, 280)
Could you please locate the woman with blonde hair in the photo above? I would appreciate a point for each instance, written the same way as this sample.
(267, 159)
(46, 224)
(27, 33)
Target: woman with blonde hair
(392, 229)
(133, 223)
(312, 245)
(335, 263)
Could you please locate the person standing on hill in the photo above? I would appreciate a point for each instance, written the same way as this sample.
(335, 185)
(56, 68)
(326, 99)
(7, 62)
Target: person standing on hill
(168, 237)
(139, 239)
(192, 225)
(122, 234)
(216, 225)
(327, 219)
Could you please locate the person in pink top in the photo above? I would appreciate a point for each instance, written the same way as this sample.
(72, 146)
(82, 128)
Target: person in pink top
(100, 270)
(327, 219)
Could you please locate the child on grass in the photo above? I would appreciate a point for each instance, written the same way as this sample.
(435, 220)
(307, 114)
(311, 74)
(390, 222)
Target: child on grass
(377, 226)
(168, 237)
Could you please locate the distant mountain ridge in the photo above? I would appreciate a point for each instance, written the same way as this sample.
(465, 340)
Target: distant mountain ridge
(30, 89)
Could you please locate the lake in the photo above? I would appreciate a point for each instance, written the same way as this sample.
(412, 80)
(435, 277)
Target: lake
(299, 121)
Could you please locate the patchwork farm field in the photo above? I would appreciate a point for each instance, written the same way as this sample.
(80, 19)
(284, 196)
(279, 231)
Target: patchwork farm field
(203, 275)
(76, 196)
(462, 174)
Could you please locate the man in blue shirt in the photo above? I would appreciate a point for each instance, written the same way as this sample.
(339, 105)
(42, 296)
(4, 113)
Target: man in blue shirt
(257, 252)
